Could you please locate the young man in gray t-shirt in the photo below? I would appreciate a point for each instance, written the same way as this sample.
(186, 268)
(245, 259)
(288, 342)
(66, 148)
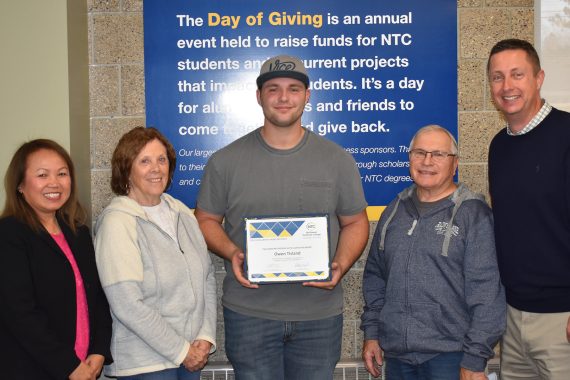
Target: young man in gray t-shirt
(289, 330)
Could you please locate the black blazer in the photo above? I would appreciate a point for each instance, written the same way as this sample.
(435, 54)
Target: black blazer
(38, 305)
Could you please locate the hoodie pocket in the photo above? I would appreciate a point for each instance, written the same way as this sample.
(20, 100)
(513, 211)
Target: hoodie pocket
(429, 329)
(132, 352)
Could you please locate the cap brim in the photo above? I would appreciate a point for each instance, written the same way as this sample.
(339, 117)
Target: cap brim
(282, 74)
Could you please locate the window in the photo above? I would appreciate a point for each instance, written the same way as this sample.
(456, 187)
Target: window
(552, 41)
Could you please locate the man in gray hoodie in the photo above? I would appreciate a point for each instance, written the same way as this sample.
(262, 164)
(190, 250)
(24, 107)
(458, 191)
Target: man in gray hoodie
(434, 304)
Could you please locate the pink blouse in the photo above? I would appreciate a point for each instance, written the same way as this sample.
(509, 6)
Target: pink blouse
(82, 326)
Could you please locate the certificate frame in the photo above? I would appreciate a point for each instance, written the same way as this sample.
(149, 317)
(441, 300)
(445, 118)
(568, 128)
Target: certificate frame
(287, 249)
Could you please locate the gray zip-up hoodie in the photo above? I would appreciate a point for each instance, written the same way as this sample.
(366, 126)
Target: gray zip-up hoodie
(431, 283)
(162, 292)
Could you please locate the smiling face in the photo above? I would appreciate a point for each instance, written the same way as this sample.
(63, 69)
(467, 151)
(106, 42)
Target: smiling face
(47, 183)
(515, 86)
(283, 101)
(149, 174)
(434, 180)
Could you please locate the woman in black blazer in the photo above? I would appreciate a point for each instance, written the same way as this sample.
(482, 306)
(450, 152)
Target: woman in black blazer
(54, 318)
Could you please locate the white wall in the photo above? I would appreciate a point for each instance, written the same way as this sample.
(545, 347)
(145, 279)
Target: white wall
(38, 72)
(552, 20)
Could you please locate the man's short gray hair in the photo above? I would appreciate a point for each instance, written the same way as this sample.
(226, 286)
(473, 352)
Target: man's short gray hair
(435, 127)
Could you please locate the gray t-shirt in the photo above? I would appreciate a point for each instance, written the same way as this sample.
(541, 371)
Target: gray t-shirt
(248, 178)
(425, 207)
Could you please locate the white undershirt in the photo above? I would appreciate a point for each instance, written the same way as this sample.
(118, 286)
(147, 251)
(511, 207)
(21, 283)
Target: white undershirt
(162, 216)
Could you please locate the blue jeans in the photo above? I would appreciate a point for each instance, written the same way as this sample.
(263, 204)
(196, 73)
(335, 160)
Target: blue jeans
(179, 373)
(277, 350)
(445, 366)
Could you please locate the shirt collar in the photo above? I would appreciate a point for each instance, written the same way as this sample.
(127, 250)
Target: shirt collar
(537, 119)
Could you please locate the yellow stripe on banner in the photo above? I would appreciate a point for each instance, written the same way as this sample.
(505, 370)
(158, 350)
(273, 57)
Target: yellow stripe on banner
(374, 212)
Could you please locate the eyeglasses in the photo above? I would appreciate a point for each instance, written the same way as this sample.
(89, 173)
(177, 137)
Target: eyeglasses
(436, 155)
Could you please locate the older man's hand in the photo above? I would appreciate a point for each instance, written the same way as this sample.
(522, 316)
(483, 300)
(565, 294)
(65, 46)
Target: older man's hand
(466, 374)
(372, 356)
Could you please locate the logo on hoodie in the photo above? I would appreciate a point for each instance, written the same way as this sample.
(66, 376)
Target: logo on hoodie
(442, 227)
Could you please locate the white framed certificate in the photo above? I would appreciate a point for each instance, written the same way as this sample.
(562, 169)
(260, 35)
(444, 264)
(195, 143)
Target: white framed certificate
(287, 249)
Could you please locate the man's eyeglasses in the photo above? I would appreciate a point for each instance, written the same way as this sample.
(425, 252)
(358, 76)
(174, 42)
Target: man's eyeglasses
(436, 155)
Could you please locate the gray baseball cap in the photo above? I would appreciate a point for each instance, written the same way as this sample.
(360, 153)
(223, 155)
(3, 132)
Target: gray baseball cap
(282, 66)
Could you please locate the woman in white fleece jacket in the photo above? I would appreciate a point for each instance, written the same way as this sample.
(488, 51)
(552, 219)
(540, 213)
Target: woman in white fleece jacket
(154, 267)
